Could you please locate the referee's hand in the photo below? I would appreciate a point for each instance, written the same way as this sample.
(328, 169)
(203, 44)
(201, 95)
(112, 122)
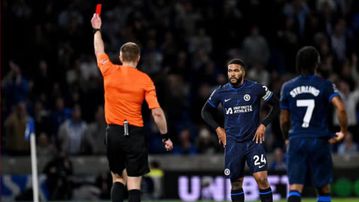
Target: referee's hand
(168, 145)
(96, 21)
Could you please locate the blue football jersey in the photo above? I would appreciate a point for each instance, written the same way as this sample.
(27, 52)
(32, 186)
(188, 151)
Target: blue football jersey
(307, 98)
(241, 108)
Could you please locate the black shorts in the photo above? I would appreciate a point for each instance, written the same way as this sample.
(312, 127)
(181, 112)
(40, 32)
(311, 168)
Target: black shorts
(127, 152)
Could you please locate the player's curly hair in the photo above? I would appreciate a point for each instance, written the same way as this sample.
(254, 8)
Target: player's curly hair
(238, 61)
(307, 60)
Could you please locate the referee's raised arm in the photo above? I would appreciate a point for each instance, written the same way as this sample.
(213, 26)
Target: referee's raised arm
(97, 41)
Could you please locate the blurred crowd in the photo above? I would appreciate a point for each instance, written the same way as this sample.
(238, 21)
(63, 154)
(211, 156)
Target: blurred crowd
(49, 72)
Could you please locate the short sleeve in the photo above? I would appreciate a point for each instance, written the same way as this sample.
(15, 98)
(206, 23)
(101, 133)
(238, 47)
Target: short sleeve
(214, 99)
(284, 103)
(330, 91)
(266, 93)
(104, 63)
(150, 94)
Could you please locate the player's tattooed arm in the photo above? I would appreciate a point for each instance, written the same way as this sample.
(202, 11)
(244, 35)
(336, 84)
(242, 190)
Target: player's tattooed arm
(284, 123)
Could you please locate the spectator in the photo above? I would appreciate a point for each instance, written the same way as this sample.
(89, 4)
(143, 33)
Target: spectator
(44, 147)
(255, 48)
(42, 120)
(185, 145)
(42, 81)
(339, 41)
(206, 144)
(259, 73)
(156, 175)
(348, 147)
(298, 10)
(72, 133)
(15, 125)
(278, 163)
(95, 134)
(350, 99)
(326, 10)
(59, 115)
(16, 87)
(152, 58)
(201, 41)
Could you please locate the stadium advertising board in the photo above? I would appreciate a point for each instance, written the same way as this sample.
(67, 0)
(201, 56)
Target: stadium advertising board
(194, 186)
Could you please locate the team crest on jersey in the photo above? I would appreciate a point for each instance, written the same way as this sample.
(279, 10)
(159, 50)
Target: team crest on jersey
(227, 172)
(246, 97)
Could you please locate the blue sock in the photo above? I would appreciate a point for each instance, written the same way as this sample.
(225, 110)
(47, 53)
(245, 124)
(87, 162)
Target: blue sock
(266, 195)
(237, 195)
(294, 196)
(324, 198)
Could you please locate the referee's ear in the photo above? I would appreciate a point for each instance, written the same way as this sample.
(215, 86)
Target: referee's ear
(121, 57)
(138, 58)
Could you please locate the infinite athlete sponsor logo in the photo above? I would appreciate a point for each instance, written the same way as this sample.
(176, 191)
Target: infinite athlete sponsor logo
(304, 89)
(239, 109)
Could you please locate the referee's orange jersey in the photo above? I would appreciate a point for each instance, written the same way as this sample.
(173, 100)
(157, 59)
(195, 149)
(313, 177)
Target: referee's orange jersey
(125, 90)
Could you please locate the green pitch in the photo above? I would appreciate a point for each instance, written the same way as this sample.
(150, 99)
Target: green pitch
(303, 200)
(333, 200)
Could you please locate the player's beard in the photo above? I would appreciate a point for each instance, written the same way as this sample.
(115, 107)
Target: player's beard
(236, 81)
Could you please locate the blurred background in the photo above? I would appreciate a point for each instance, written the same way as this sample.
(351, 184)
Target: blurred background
(49, 74)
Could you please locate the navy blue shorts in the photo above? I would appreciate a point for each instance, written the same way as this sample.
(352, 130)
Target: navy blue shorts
(237, 153)
(309, 157)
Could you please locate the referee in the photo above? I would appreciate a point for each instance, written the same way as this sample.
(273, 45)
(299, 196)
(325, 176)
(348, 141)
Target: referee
(125, 90)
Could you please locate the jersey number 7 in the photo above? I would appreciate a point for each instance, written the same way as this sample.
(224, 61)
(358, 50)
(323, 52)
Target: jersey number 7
(309, 104)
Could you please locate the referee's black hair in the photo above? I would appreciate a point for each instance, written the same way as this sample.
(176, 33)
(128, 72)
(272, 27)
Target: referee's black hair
(307, 60)
(238, 61)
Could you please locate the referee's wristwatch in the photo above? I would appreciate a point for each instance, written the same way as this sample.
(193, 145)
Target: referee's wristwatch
(96, 30)
(165, 137)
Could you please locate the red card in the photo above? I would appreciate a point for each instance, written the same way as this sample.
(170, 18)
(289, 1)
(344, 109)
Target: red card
(98, 9)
